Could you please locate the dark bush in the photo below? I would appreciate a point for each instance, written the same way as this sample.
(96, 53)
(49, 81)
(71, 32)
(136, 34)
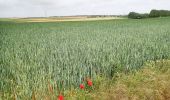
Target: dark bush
(135, 15)
(144, 15)
(164, 13)
(159, 13)
(152, 14)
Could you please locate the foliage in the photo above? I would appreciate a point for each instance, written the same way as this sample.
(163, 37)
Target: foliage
(152, 14)
(159, 13)
(135, 15)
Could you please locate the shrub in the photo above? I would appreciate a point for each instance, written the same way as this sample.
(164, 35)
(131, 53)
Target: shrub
(135, 15)
(144, 15)
(154, 13)
(159, 13)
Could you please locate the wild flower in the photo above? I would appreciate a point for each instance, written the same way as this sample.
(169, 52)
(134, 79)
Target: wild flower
(89, 82)
(81, 86)
(60, 97)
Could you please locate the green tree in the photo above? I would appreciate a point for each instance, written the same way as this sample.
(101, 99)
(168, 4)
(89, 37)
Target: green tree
(134, 15)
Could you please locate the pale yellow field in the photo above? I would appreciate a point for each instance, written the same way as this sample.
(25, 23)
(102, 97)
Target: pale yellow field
(63, 19)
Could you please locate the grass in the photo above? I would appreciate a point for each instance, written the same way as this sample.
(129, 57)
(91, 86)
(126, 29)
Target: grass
(32, 55)
(150, 83)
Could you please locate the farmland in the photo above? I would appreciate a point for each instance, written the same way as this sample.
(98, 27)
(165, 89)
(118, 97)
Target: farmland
(61, 19)
(32, 55)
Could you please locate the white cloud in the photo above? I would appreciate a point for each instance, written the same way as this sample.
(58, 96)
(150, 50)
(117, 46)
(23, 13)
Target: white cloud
(26, 8)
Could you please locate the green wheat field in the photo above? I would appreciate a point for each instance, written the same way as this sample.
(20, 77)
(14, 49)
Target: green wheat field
(34, 55)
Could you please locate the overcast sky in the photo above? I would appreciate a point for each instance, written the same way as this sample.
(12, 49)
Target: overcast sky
(41, 8)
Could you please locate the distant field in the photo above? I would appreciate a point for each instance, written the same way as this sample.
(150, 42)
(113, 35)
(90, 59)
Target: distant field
(32, 55)
(59, 19)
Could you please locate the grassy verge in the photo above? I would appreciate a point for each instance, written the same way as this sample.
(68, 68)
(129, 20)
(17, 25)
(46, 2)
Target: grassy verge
(152, 82)
(149, 83)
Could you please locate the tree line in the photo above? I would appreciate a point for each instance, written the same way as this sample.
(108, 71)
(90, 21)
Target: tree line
(152, 14)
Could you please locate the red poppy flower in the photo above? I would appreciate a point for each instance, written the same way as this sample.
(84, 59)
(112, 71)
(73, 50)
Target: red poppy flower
(81, 86)
(89, 82)
(60, 97)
